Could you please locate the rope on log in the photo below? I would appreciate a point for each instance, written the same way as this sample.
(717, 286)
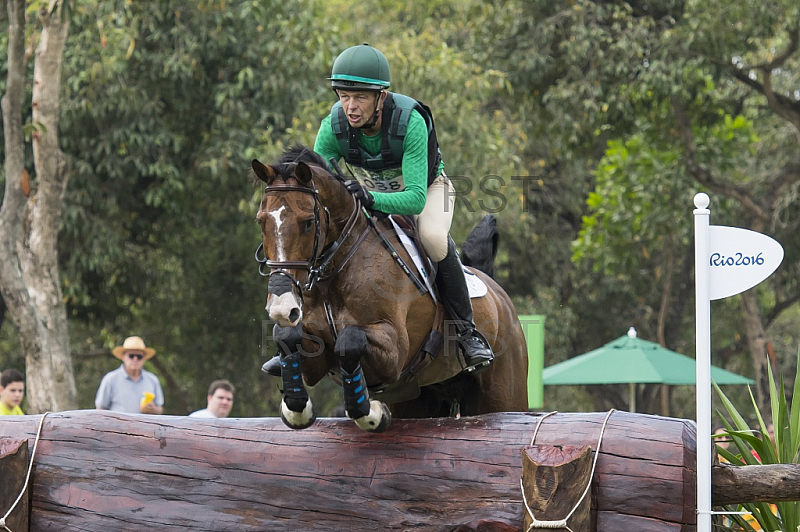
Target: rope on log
(98, 470)
(562, 523)
(27, 476)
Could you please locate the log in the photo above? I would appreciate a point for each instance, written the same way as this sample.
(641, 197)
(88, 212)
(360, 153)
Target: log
(754, 483)
(99, 471)
(554, 480)
(13, 470)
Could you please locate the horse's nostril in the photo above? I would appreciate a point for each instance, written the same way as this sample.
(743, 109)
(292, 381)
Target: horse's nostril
(294, 315)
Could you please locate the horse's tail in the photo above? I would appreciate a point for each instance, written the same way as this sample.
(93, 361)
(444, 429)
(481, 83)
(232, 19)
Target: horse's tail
(480, 248)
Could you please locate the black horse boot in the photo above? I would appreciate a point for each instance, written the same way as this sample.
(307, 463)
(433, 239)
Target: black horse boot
(272, 366)
(454, 294)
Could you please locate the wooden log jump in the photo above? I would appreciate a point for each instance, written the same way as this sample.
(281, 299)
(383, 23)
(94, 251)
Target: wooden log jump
(13, 468)
(100, 471)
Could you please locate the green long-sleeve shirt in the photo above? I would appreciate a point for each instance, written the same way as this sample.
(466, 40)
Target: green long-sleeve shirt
(411, 199)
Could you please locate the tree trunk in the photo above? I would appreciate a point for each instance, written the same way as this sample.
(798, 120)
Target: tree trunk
(757, 345)
(29, 276)
(554, 482)
(13, 471)
(99, 471)
(754, 483)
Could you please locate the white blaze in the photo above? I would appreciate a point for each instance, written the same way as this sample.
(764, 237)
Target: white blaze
(284, 308)
(277, 215)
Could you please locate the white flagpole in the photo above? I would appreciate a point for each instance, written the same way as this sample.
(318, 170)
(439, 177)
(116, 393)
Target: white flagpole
(703, 362)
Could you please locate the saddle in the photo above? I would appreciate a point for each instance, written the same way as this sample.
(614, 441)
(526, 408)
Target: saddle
(436, 360)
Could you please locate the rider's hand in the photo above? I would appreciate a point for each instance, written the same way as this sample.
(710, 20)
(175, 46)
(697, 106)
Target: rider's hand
(360, 193)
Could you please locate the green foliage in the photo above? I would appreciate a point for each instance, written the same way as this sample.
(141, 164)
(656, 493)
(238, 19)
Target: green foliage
(561, 118)
(166, 105)
(781, 448)
(637, 222)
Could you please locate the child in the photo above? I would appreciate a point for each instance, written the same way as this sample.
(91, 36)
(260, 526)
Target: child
(12, 389)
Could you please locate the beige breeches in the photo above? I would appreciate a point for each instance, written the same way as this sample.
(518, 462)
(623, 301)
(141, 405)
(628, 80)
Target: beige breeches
(436, 217)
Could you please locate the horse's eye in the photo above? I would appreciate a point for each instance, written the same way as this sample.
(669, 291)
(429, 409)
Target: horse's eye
(306, 225)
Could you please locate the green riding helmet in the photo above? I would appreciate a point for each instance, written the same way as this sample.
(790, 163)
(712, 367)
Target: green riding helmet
(360, 67)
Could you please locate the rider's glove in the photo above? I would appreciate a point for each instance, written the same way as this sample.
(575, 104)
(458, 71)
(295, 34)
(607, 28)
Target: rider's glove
(360, 193)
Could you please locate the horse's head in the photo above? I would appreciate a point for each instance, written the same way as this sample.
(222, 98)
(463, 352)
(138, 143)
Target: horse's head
(291, 220)
(296, 225)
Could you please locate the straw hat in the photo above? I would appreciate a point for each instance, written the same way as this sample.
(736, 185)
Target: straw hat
(133, 343)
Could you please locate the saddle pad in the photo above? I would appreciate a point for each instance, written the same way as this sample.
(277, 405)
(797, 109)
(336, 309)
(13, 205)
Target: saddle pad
(477, 288)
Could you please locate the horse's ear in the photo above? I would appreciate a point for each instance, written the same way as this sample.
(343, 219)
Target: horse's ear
(303, 173)
(263, 172)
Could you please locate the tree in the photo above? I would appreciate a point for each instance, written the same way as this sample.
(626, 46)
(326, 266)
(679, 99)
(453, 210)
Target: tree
(692, 92)
(714, 109)
(165, 106)
(30, 216)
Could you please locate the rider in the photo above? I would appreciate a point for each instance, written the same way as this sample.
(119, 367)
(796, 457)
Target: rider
(389, 142)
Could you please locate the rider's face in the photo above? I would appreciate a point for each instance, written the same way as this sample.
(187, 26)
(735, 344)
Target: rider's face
(359, 106)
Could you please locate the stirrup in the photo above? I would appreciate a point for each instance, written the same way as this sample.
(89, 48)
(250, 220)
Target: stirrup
(479, 361)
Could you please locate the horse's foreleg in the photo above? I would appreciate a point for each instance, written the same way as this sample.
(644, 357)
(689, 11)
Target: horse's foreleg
(373, 416)
(297, 412)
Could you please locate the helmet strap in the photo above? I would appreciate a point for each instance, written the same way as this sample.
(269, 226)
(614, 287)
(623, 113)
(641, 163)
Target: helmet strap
(376, 113)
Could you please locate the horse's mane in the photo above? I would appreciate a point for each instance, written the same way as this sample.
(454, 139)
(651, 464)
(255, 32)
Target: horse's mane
(298, 153)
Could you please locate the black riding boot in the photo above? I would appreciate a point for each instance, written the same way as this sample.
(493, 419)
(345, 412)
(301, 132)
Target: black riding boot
(272, 366)
(454, 294)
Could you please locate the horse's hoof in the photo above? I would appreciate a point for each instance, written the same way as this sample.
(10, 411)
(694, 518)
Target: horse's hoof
(378, 419)
(298, 420)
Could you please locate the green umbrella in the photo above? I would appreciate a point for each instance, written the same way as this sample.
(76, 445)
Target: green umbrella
(631, 360)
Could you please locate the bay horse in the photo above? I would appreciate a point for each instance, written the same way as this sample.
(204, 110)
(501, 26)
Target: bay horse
(345, 306)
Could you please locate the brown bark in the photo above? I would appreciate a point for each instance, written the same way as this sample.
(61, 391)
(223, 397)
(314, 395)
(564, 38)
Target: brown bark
(554, 480)
(98, 470)
(29, 220)
(755, 483)
(13, 470)
(756, 338)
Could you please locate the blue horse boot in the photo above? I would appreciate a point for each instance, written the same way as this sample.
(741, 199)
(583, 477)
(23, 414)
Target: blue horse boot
(297, 412)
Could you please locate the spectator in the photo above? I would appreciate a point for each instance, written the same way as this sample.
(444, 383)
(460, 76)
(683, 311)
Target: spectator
(220, 400)
(724, 441)
(12, 390)
(130, 388)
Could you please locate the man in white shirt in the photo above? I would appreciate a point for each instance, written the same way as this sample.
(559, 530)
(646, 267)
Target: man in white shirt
(130, 388)
(220, 400)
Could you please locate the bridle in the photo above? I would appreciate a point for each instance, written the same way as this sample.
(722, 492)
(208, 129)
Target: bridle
(318, 264)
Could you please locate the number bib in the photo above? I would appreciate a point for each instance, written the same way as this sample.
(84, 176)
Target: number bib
(389, 180)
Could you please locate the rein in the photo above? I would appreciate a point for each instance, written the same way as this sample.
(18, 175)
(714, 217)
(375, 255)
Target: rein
(386, 244)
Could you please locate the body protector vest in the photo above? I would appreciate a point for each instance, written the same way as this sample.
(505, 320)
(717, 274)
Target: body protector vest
(385, 167)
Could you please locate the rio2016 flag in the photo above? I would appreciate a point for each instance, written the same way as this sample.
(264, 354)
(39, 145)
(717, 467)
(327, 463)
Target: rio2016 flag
(739, 259)
(728, 261)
